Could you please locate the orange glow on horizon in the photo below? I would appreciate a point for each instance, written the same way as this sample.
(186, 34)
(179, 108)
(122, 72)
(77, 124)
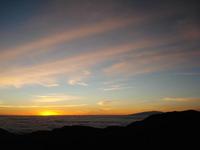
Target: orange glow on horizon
(48, 113)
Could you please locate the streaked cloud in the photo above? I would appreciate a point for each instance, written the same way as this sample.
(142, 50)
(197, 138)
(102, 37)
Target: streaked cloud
(99, 49)
(77, 82)
(47, 74)
(55, 98)
(42, 106)
(181, 99)
(51, 85)
(42, 44)
(188, 73)
(127, 58)
(189, 29)
(105, 103)
(79, 79)
(116, 87)
(154, 62)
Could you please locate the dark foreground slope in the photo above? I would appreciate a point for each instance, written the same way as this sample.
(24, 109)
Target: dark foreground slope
(161, 131)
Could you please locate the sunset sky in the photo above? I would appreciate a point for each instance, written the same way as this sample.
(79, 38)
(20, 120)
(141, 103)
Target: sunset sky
(80, 57)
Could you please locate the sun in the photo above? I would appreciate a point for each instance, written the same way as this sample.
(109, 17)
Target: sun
(48, 113)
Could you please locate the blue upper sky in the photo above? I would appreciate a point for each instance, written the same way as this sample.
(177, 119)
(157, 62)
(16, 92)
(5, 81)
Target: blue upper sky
(99, 57)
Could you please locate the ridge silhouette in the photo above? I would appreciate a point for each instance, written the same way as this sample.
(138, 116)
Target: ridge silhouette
(159, 131)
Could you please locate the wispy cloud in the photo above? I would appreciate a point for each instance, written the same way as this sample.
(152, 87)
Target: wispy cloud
(154, 62)
(55, 98)
(189, 30)
(129, 58)
(47, 73)
(181, 99)
(116, 87)
(79, 79)
(42, 106)
(188, 73)
(77, 82)
(43, 44)
(105, 103)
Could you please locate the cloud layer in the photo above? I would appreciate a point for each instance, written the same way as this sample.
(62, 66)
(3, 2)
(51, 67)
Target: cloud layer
(142, 50)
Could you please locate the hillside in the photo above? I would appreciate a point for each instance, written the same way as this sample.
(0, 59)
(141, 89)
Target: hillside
(161, 131)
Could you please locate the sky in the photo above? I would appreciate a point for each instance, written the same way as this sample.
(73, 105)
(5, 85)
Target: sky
(75, 57)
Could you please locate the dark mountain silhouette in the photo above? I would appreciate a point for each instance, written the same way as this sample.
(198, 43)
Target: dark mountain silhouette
(159, 131)
(145, 114)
